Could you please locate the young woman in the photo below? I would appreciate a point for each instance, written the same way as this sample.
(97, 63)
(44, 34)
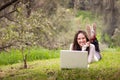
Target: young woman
(82, 43)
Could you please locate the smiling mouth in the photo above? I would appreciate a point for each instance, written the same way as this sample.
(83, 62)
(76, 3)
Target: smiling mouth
(82, 44)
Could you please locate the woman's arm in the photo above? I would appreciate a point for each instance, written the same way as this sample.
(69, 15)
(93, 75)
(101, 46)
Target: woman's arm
(91, 53)
(71, 46)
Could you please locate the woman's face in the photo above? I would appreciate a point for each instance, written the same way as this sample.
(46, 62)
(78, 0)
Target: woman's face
(81, 39)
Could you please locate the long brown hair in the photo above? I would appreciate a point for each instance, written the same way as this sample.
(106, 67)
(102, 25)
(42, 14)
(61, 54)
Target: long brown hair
(75, 43)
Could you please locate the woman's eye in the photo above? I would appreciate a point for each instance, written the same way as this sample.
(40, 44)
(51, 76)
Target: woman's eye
(83, 38)
(78, 38)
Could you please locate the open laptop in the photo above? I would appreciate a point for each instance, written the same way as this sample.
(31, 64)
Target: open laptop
(73, 59)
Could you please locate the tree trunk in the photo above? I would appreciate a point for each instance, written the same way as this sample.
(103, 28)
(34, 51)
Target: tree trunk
(25, 61)
(24, 58)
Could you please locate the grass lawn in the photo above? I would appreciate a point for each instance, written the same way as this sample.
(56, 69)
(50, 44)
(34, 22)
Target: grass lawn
(106, 69)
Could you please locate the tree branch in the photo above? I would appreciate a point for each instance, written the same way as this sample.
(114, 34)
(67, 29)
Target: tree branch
(7, 4)
(2, 48)
(8, 14)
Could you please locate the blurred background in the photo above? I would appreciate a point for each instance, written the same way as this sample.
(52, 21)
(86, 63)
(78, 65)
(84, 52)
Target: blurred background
(51, 24)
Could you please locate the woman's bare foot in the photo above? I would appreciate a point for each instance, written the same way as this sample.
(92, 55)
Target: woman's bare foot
(91, 31)
(94, 28)
(88, 31)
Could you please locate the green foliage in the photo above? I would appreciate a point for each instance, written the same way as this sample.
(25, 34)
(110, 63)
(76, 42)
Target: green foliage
(108, 68)
(15, 56)
(42, 53)
(85, 14)
(108, 40)
(116, 37)
(10, 57)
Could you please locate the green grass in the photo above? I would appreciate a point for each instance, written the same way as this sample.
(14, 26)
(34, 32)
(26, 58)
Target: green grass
(15, 56)
(106, 69)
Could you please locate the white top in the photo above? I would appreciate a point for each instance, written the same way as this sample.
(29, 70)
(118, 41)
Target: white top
(93, 55)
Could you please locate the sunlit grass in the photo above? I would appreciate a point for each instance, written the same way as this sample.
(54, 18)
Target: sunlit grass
(40, 69)
(106, 69)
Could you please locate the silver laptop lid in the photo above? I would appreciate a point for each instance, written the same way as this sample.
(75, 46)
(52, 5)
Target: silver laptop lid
(73, 59)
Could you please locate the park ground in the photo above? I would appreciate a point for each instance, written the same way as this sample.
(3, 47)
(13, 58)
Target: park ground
(108, 68)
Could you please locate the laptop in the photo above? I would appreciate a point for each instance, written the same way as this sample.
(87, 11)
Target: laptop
(73, 59)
